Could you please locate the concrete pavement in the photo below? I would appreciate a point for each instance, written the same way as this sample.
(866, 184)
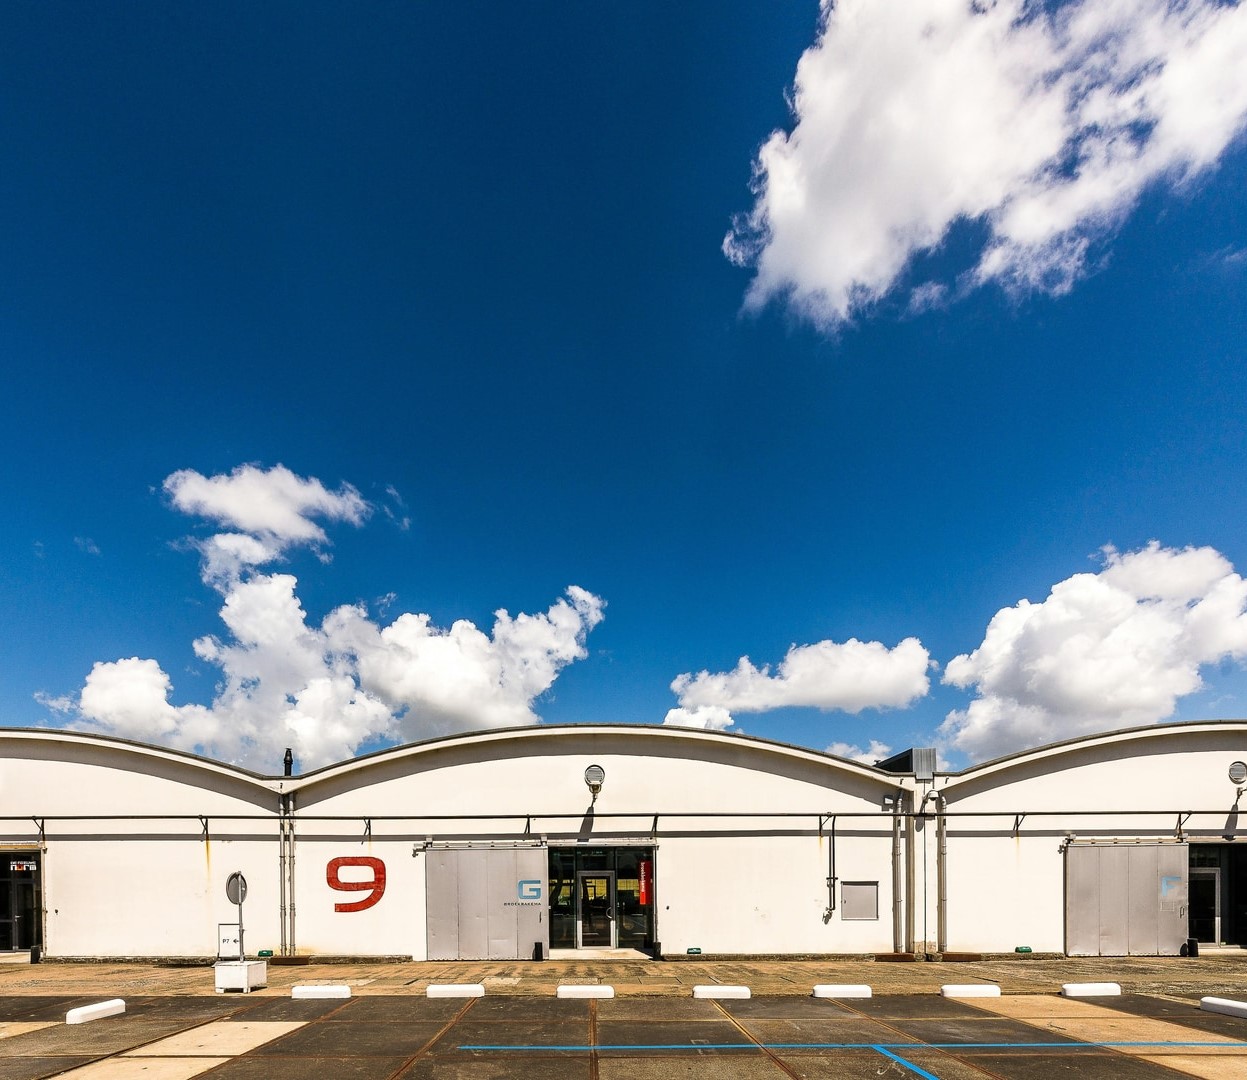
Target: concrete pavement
(1219, 975)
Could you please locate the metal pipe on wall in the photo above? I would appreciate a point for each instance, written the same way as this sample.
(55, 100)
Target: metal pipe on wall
(941, 874)
(281, 869)
(290, 837)
(910, 861)
(898, 906)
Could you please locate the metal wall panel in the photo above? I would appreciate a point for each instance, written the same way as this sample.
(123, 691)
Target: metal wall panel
(532, 926)
(500, 914)
(441, 898)
(1141, 927)
(473, 899)
(1082, 901)
(1114, 900)
(1173, 867)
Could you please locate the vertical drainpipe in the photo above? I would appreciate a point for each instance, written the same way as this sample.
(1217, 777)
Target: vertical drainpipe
(897, 899)
(941, 874)
(290, 865)
(281, 867)
(285, 856)
(910, 858)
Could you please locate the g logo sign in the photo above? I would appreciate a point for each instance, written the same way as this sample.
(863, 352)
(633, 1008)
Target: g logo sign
(529, 889)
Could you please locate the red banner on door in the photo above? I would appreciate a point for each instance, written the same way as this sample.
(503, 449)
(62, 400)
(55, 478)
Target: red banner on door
(647, 879)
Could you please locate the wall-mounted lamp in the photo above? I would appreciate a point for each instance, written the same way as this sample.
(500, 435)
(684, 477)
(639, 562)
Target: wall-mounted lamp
(594, 777)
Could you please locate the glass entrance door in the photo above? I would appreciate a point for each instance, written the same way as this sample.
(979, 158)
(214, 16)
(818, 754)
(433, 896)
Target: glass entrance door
(595, 909)
(1205, 899)
(19, 901)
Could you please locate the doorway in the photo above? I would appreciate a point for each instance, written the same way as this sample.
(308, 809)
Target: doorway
(1218, 909)
(625, 874)
(21, 923)
(595, 910)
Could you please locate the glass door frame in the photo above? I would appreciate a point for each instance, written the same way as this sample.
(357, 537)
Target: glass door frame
(611, 899)
(1213, 873)
(22, 904)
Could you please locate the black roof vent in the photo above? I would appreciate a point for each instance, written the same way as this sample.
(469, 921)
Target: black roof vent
(918, 762)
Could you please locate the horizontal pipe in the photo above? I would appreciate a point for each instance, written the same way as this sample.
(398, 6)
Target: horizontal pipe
(580, 814)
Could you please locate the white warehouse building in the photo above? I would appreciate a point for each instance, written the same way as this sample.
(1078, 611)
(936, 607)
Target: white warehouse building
(548, 840)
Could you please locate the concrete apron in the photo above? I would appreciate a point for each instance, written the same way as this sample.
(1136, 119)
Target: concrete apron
(1222, 975)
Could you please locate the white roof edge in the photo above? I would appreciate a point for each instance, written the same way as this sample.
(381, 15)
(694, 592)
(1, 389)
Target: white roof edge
(538, 731)
(181, 757)
(1102, 738)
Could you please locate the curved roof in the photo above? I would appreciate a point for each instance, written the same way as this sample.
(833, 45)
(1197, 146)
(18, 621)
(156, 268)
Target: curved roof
(693, 737)
(1105, 738)
(140, 749)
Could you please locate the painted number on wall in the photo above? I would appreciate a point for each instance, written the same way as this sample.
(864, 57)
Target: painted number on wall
(374, 886)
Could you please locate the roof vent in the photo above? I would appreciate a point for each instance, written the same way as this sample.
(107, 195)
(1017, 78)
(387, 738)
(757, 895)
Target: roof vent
(924, 763)
(918, 762)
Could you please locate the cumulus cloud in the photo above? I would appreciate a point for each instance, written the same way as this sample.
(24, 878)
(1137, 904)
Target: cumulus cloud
(1106, 650)
(849, 677)
(876, 751)
(274, 507)
(706, 717)
(322, 690)
(434, 679)
(1040, 125)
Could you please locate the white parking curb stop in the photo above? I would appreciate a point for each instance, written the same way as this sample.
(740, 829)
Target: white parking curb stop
(1223, 1005)
(1091, 989)
(593, 990)
(721, 993)
(320, 991)
(970, 990)
(455, 990)
(85, 1013)
(841, 990)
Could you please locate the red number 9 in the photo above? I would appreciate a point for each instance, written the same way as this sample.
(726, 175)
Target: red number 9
(375, 886)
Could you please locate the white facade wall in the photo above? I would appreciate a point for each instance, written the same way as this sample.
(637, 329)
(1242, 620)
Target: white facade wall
(741, 830)
(740, 884)
(1007, 878)
(394, 925)
(126, 868)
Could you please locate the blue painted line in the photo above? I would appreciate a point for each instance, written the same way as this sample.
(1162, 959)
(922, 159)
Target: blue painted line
(908, 1064)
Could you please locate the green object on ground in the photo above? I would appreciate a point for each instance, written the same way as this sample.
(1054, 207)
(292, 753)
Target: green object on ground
(263, 953)
(694, 952)
(1023, 948)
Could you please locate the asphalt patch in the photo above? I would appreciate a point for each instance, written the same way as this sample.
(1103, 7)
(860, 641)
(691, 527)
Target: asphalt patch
(327, 1039)
(785, 1008)
(702, 1036)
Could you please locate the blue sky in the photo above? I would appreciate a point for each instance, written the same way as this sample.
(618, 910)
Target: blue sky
(460, 270)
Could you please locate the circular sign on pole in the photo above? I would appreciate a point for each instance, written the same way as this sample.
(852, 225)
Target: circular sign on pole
(236, 887)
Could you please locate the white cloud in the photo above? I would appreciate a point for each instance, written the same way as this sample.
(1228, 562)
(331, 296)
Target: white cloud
(131, 697)
(273, 507)
(876, 751)
(323, 691)
(448, 680)
(86, 545)
(849, 677)
(1106, 650)
(1041, 126)
(706, 717)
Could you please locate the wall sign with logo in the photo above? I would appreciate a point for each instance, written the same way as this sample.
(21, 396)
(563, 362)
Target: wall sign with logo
(27, 865)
